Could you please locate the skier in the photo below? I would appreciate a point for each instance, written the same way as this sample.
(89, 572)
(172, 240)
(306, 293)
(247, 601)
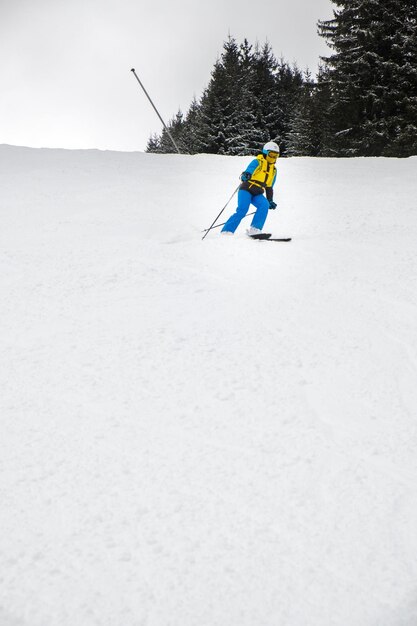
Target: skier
(260, 175)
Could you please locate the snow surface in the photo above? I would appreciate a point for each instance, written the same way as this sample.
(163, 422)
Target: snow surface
(216, 433)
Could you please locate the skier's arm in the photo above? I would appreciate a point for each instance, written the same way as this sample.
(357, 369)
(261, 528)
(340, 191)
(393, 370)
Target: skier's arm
(269, 192)
(249, 170)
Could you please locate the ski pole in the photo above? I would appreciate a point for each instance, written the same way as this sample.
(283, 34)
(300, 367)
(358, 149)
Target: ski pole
(212, 226)
(218, 225)
(156, 111)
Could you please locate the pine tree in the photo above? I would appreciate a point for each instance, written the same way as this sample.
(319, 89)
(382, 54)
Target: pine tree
(176, 129)
(264, 88)
(216, 102)
(372, 77)
(309, 122)
(303, 138)
(288, 87)
(190, 129)
(154, 143)
(227, 123)
(249, 100)
(321, 103)
(164, 144)
(245, 136)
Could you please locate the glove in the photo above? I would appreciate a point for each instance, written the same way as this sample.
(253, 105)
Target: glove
(245, 176)
(272, 204)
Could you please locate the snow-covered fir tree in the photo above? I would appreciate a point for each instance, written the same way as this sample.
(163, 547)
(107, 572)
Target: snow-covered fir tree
(228, 123)
(154, 143)
(372, 77)
(304, 137)
(288, 89)
(249, 100)
(190, 129)
(309, 121)
(176, 128)
(263, 86)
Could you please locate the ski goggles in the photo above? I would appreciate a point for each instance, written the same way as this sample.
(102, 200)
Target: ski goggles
(273, 155)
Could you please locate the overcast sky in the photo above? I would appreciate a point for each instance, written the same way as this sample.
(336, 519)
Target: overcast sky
(65, 77)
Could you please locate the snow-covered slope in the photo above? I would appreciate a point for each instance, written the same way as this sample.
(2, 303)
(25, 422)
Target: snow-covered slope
(216, 433)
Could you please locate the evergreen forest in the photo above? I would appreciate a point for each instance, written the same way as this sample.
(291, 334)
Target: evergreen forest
(363, 101)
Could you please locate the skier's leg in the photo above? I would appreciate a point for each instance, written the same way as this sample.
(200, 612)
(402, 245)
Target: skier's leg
(243, 201)
(262, 208)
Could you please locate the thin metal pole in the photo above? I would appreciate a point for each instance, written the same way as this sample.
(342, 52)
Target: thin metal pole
(212, 226)
(156, 111)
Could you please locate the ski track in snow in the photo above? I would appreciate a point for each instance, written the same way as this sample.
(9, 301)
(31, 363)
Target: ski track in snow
(219, 433)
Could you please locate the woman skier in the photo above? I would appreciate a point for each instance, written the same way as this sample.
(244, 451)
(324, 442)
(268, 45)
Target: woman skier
(258, 177)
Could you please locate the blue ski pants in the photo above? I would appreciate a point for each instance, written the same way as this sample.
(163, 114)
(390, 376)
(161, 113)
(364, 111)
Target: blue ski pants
(244, 200)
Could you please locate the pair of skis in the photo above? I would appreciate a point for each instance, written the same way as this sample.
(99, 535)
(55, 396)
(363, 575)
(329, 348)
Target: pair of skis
(260, 236)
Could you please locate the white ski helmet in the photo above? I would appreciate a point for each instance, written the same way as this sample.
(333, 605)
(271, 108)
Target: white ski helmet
(270, 146)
